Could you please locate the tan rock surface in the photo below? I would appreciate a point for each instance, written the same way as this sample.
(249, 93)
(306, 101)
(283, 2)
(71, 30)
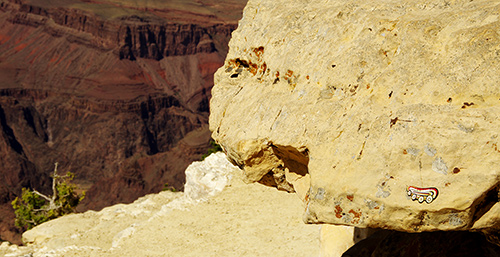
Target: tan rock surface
(335, 240)
(369, 98)
(242, 220)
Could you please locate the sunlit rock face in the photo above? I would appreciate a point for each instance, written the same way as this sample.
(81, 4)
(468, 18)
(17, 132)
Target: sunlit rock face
(217, 211)
(386, 112)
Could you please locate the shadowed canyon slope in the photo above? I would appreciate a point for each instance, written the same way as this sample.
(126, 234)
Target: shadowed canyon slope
(115, 91)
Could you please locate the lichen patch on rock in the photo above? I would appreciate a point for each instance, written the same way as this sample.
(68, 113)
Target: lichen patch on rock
(368, 98)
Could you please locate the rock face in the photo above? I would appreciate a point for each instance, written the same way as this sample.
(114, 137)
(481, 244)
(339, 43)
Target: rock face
(226, 217)
(390, 109)
(145, 36)
(117, 95)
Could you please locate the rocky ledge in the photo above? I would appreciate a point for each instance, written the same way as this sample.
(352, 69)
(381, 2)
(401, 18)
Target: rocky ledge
(217, 215)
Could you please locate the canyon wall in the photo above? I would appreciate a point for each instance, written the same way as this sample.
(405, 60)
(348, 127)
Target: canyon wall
(378, 114)
(119, 100)
(132, 36)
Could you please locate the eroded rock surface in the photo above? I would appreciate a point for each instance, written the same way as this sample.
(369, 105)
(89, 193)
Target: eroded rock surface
(115, 91)
(390, 108)
(226, 217)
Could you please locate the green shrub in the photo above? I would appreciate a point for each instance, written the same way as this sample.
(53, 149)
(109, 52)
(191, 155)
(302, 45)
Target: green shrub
(215, 148)
(34, 208)
(169, 188)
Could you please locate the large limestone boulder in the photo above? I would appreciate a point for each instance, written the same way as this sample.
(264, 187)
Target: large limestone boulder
(386, 112)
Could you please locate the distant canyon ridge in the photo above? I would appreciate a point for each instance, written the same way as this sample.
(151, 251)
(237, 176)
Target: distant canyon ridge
(114, 91)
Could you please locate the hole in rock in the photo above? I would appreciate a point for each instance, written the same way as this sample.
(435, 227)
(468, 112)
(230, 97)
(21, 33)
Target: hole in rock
(483, 204)
(293, 167)
(243, 63)
(466, 104)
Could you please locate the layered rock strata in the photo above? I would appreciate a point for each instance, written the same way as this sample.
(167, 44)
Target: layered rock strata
(389, 109)
(133, 36)
(126, 122)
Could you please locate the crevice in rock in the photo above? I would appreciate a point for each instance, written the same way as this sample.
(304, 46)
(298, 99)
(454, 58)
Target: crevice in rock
(484, 203)
(277, 116)
(268, 180)
(293, 159)
(126, 50)
(11, 138)
(293, 167)
(36, 122)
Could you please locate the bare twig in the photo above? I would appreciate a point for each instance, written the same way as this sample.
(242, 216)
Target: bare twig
(52, 200)
(42, 195)
(54, 182)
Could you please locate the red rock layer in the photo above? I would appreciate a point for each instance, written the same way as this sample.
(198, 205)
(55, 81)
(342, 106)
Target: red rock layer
(122, 103)
(132, 36)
